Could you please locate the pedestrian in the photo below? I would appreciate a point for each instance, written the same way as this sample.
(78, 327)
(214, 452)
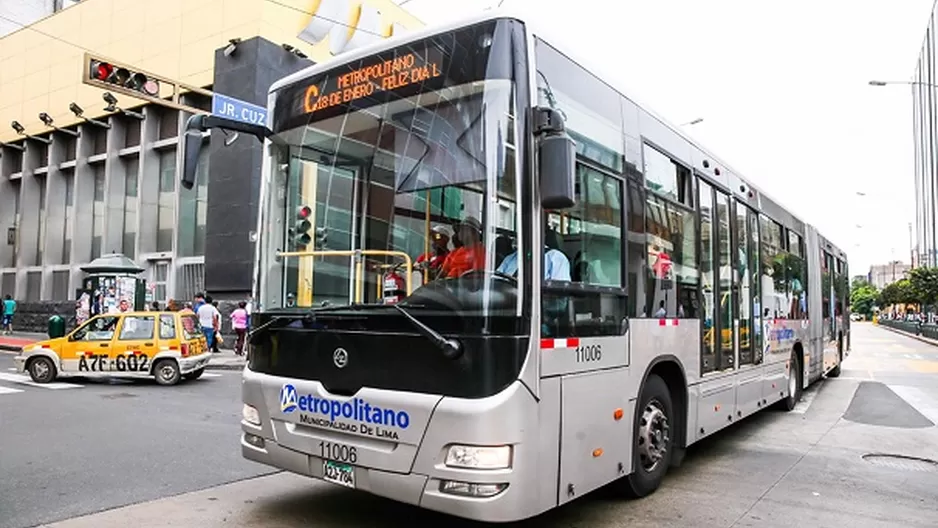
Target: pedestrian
(155, 307)
(239, 321)
(218, 339)
(209, 319)
(197, 301)
(9, 309)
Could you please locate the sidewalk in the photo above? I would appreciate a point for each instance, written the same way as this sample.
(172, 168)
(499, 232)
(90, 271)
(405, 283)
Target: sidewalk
(224, 360)
(909, 334)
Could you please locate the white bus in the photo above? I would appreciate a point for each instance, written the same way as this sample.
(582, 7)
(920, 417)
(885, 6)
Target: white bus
(658, 298)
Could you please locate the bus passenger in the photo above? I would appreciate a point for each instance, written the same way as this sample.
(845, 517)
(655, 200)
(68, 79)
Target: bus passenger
(556, 264)
(439, 250)
(471, 255)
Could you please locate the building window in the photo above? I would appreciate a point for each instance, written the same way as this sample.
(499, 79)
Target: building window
(160, 276)
(60, 285)
(167, 201)
(128, 242)
(41, 231)
(97, 220)
(69, 176)
(796, 275)
(33, 285)
(192, 206)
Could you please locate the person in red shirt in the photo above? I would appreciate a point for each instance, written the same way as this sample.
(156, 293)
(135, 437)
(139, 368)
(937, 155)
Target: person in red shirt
(469, 257)
(433, 261)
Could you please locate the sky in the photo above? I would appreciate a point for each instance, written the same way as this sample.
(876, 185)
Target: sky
(783, 91)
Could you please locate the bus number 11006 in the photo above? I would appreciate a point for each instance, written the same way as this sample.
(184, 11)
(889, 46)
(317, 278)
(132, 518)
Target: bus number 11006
(589, 353)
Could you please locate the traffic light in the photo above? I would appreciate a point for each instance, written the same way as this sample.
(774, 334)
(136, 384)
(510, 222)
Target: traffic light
(301, 236)
(321, 238)
(135, 81)
(126, 79)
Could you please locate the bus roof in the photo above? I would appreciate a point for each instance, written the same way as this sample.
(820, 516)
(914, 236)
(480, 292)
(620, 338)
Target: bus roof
(543, 31)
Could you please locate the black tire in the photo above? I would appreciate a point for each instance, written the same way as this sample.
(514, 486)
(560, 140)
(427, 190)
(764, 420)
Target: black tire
(166, 372)
(42, 370)
(793, 396)
(195, 374)
(647, 474)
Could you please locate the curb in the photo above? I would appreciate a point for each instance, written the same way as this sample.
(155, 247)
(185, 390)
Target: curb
(224, 367)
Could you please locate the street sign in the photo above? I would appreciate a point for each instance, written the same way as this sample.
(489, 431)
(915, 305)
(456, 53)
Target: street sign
(238, 110)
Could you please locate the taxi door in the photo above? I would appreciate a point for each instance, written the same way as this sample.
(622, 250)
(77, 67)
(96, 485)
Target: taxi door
(136, 344)
(87, 349)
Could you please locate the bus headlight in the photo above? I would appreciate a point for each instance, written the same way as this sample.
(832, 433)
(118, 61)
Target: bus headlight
(479, 457)
(250, 415)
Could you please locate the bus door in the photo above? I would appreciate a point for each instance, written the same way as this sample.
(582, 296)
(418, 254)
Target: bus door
(727, 283)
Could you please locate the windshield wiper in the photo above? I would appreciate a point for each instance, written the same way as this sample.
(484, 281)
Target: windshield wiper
(450, 347)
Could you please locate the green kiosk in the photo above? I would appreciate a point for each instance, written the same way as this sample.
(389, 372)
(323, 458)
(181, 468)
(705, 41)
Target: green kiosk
(110, 279)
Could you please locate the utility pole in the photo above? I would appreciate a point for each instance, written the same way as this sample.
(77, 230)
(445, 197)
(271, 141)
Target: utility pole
(911, 248)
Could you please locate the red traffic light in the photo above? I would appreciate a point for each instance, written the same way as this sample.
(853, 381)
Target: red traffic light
(123, 76)
(304, 212)
(101, 71)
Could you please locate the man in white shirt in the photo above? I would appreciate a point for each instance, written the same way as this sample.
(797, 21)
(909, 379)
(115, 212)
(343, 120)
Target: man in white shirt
(209, 319)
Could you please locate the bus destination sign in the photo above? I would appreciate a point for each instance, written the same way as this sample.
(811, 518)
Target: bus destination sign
(387, 76)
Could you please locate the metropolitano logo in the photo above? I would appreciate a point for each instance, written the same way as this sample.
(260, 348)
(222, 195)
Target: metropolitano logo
(287, 398)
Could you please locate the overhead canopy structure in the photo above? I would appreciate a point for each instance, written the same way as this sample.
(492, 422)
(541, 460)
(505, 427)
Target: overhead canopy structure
(112, 264)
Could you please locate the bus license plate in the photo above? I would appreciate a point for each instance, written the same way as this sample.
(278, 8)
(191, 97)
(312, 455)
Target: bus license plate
(341, 474)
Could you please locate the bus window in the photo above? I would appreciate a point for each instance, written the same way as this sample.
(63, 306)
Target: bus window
(583, 245)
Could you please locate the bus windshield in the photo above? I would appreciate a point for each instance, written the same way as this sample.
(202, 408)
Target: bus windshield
(409, 153)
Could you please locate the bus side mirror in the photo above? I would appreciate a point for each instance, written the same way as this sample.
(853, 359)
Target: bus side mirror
(556, 160)
(198, 124)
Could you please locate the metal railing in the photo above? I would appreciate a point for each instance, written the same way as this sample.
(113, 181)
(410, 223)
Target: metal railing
(358, 255)
(912, 327)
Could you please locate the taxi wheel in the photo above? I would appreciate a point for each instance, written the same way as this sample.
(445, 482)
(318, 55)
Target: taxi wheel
(166, 372)
(42, 370)
(195, 374)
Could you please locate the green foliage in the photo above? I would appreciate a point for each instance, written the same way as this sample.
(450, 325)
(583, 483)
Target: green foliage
(863, 297)
(924, 284)
(899, 292)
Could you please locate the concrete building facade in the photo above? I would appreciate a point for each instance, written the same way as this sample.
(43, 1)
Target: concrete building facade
(882, 275)
(107, 181)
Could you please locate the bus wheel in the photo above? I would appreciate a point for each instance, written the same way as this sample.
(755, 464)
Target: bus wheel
(652, 446)
(794, 385)
(41, 370)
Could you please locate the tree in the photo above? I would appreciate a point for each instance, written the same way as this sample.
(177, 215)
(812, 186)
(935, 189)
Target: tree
(863, 297)
(899, 292)
(924, 282)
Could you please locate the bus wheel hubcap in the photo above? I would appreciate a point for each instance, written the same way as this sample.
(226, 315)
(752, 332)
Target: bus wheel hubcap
(653, 435)
(792, 382)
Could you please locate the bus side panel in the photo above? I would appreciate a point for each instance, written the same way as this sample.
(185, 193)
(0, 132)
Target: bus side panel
(677, 340)
(596, 435)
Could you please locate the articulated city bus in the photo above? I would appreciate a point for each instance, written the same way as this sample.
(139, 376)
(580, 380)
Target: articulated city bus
(595, 292)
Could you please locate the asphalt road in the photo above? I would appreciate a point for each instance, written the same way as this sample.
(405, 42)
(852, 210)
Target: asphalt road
(85, 446)
(804, 468)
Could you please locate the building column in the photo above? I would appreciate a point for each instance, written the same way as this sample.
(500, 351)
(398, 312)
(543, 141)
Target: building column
(28, 232)
(84, 202)
(56, 188)
(235, 171)
(148, 186)
(9, 196)
(114, 183)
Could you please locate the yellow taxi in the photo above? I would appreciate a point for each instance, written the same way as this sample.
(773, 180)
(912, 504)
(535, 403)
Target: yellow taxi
(166, 345)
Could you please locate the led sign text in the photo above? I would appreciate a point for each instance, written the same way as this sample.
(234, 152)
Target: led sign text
(363, 82)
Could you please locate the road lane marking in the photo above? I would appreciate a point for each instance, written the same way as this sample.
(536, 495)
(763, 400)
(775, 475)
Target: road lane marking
(24, 380)
(7, 390)
(919, 399)
(211, 375)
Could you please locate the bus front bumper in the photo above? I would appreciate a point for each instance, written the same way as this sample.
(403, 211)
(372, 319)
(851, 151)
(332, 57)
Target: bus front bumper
(410, 488)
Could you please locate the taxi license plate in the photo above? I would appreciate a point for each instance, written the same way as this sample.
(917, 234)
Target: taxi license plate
(337, 473)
